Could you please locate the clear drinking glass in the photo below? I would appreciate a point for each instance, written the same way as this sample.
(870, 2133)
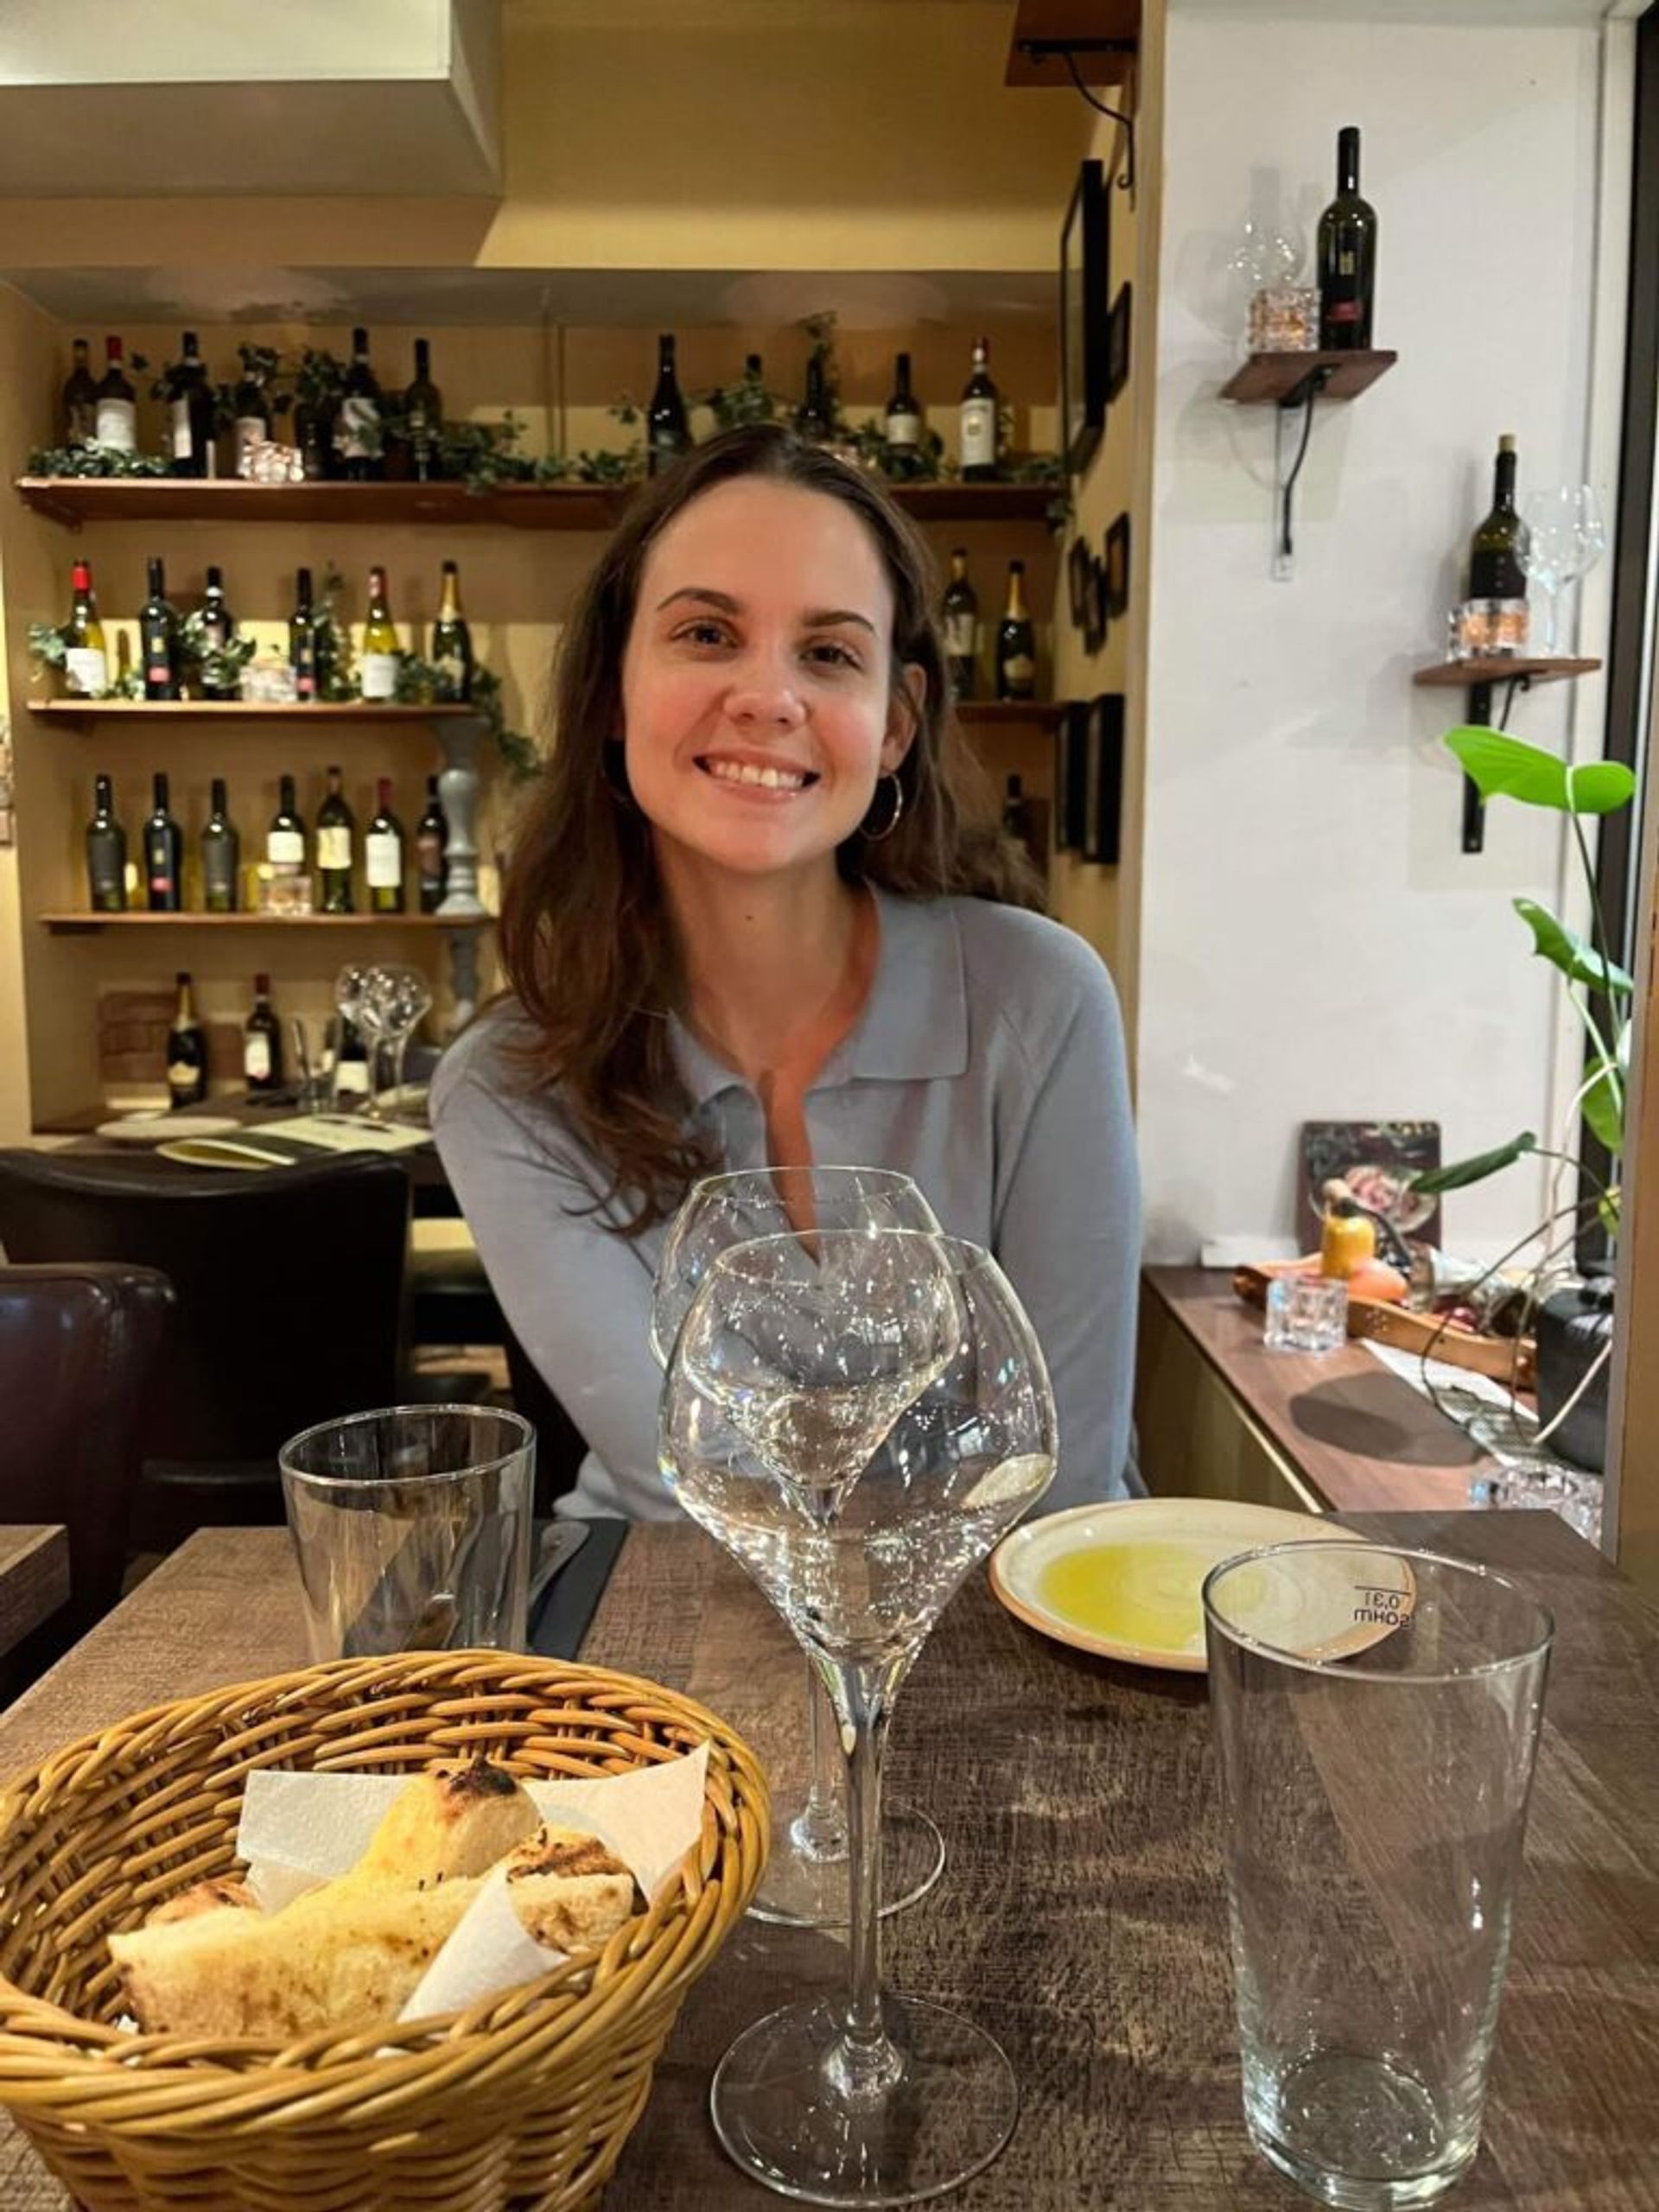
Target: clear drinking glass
(805, 1883)
(859, 1419)
(1376, 1714)
(1566, 537)
(352, 998)
(411, 1528)
(1305, 1313)
(399, 998)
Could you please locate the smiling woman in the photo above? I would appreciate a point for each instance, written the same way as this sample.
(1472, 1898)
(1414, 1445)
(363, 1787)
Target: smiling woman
(751, 918)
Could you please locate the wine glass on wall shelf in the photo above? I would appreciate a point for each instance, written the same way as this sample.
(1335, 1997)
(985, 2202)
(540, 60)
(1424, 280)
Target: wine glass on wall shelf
(1566, 537)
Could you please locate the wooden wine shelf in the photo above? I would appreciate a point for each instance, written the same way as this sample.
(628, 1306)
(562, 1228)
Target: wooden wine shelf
(81, 714)
(75, 501)
(1268, 379)
(1460, 675)
(75, 925)
(1009, 714)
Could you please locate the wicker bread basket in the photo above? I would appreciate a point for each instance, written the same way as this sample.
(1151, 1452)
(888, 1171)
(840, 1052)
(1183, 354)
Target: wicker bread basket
(521, 2104)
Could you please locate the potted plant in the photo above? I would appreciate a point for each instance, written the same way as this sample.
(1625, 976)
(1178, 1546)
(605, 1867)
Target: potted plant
(1574, 1321)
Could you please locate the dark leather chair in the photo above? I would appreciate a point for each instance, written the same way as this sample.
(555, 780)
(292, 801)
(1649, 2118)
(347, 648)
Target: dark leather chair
(289, 1286)
(80, 1348)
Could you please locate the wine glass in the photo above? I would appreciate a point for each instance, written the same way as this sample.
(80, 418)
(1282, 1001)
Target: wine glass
(1566, 537)
(402, 998)
(805, 1883)
(351, 999)
(859, 1419)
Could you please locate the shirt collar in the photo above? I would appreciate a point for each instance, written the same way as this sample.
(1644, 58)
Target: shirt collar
(915, 1021)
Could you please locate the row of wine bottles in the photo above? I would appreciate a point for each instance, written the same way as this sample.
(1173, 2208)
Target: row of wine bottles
(1014, 656)
(263, 1068)
(161, 638)
(335, 850)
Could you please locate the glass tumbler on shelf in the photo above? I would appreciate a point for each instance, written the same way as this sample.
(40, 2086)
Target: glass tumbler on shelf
(1305, 1312)
(1376, 1715)
(859, 1418)
(806, 1882)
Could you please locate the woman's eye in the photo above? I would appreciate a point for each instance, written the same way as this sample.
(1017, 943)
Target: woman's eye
(836, 655)
(701, 633)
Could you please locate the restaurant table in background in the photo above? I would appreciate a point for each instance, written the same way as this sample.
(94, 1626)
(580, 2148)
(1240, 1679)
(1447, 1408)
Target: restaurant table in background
(34, 1580)
(1080, 1915)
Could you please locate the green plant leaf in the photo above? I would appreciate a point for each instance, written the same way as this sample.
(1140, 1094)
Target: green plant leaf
(1603, 1108)
(1607, 1210)
(1622, 1048)
(1564, 948)
(1501, 766)
(1433, 1180)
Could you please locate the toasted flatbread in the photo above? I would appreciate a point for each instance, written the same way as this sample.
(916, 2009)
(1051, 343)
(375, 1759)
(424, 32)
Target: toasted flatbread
(455, 1820)
(570, 1891)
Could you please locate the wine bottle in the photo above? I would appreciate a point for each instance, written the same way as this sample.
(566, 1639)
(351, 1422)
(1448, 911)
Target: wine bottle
(350, 1063)
(382, 855)
(1497, 552)
(1016, 642)
(903, 423)
(218, 628)
(423, 418)
(85, 654)
(303, 638)
(117, 420)
(812, 417)
(106, 853)
(1347, 257)
(262, 1043)
(668, 433)
(431, 842)
(285, 839)
(335, 824)
(221, 856)
(163, 854)
(961, 613)
(158, 639)
(378, 668)
(452, 641)
(80, 400)
(977, 423)
(190, 414)
(249, 415)
(187, 1051)
(359, 432)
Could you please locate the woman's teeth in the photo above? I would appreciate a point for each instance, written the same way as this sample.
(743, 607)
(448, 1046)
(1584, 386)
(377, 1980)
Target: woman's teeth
(771, 780)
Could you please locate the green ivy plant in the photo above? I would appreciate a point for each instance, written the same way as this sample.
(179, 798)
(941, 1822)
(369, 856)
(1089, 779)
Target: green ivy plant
(422, 683)
(94, 460)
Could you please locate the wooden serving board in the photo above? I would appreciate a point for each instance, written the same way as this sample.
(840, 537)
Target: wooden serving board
(1496, 1356)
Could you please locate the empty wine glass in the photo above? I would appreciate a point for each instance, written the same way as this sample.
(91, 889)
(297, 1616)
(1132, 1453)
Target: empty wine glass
(805, 1883)
(1566, 537)
(401, 997)
(352, 998)
(859, 1419)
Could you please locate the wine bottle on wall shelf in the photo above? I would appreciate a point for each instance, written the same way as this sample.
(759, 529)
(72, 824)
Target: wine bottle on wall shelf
(80, 400)
(117, 418)
(221, 856)
(961, 619)
(86, 656)
(359, 427)
(978, 426)
(303, 638)
(1347, 257)
(1016, 642)
(187, 1051)
(813, 418)
(106, 853)
(1497, 552)
(158, 638)
(668, 433)
(423, 418)
(249, 418)
(163, 854)
(452, 641)
(285, 839)
(190, 414)
(382, 855)
(903, 429)
(262, 1043)
(431, 843)
(218, 628)
(378, 668)
(335, 825)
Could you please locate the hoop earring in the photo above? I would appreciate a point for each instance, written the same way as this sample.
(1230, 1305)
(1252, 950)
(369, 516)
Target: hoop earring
(879, 836)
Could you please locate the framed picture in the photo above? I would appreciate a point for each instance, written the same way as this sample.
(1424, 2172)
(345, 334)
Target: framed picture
(1095, 623)
(1104, 805)
(1071, 775)
(1117, 342)
(1085, 283)
(1374, 1158)
(1079, 582)
(1117, 569)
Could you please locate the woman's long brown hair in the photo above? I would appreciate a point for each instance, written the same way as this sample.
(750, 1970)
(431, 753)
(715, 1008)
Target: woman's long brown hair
(586, 936)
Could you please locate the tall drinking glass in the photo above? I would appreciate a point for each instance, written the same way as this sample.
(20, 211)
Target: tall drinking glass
(400, 998)
(805, 1883)
(859, 1419)
(1376, 1716)
(1566, 537)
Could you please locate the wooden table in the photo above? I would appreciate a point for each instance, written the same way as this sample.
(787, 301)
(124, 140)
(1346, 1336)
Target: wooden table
(34, 1580)
(1080, 1915)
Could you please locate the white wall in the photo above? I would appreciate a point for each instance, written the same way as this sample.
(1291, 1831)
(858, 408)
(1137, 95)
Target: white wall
(1315, 943)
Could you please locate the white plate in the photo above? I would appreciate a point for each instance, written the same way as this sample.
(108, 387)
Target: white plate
(1124, 1580)
(167, 1129)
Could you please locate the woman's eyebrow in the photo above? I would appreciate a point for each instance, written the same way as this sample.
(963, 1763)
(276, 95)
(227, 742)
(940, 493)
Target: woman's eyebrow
(820, 618)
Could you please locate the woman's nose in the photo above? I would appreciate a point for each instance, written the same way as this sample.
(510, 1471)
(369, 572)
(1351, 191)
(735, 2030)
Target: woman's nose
(764, 691)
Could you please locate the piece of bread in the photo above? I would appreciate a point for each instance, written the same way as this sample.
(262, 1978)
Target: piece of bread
(455, 1820)
(569, 1891)
(224, 1891)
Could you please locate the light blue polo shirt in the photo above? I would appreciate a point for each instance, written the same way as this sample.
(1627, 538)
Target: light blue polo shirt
(987, 1065)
